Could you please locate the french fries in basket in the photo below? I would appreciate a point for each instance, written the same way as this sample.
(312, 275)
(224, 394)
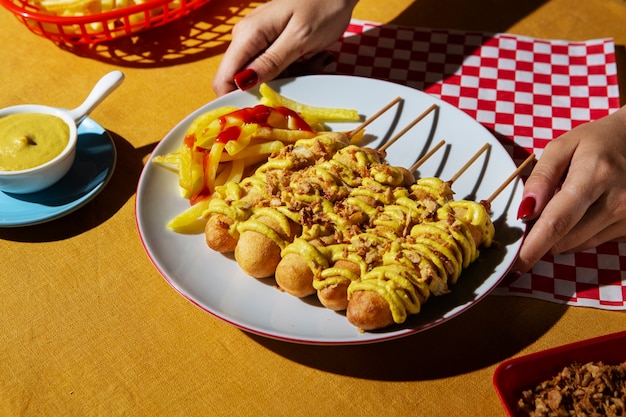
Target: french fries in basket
(223, 144)
(76, 8)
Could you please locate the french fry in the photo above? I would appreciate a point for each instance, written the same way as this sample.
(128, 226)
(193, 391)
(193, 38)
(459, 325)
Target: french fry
(223, 174)
(262, 149)
(211, 164)
(235, 173)
(183, 221)
(233, 147)
(184, 170)
(206, 126)
(169, 160)
(271, 98)
(283, 135)
(253, 161)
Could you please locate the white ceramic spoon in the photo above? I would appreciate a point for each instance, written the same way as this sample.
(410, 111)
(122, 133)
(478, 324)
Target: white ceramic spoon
(100, 91)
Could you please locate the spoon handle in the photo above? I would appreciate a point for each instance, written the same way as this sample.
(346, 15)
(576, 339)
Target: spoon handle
(100, 91)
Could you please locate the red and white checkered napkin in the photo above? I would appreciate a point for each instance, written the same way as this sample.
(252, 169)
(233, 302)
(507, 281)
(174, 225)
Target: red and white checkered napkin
(528, 91)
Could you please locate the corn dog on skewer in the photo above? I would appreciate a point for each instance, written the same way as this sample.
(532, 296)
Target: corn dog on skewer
(429, 259)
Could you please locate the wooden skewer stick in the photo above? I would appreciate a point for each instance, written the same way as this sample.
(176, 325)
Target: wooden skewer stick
(519, 169)
(469, 163)
(426, 156)
(373, 117)
(408, 127)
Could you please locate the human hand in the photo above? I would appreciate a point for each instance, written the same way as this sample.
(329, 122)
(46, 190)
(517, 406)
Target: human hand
(576, 193)
(277, 33)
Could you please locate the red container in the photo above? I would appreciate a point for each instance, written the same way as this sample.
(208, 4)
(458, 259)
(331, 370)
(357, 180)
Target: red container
(99, 27)
(515, 375)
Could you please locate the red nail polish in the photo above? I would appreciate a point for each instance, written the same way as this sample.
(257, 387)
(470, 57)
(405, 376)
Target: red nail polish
(246, 79)
(526, 207)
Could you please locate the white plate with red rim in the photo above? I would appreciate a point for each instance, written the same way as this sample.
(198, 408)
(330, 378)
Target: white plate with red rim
(215, 283)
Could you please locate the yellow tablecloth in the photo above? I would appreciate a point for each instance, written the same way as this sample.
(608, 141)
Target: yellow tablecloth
(89, 327)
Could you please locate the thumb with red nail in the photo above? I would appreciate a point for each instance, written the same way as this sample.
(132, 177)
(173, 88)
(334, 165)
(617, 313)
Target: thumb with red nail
(575, 196)
(276, 34)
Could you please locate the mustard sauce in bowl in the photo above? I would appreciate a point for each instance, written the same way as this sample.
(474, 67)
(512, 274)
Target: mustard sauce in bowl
(28, 140)
(37, 147)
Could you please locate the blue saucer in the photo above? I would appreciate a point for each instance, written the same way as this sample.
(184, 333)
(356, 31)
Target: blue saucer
(92, 169)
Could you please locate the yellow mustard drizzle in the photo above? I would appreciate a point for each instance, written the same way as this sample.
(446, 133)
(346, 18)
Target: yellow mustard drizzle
(440, 240)
(331, 183)
(433, 186)
(395, 218)
(386, 174)
(398, 285)
(230, 204)
(422, 250)
(291, 215)
(401, 215)
(307, 198)
(355, 157)
(420, 257)
(447, 233)
(275, 163)
(370, 196)
(331, 215)
(255, 183)
(385, 234)
(232, 191)
(344, 172)
(254, 224)
(236, 212)
(334, 276)
(351, 257)
(475, 214)
(421, 211)
(370, 187)
(315, 258)
(462, 234)
(231, 201)
(315, 231)
(451, 262)
(442, 245)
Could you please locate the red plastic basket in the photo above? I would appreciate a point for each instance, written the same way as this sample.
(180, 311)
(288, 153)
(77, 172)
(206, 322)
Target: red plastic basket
(100, 27)
(515, 375)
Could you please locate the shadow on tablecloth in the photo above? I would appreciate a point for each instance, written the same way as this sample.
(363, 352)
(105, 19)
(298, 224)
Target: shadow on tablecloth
(205, 32)
(493, 330)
